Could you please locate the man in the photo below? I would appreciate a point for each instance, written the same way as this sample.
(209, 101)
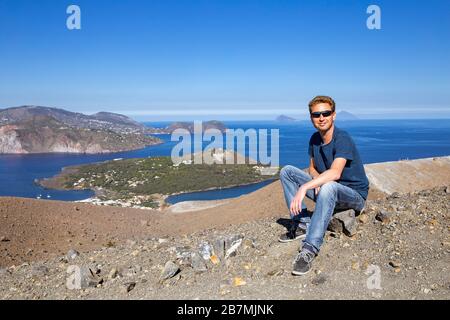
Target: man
(336, 180)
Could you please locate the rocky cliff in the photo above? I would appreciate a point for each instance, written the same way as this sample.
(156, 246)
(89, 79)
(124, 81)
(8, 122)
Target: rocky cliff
(44, 130)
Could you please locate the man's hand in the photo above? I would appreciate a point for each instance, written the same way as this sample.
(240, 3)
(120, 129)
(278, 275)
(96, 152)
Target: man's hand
(296, 204)
(316, 190)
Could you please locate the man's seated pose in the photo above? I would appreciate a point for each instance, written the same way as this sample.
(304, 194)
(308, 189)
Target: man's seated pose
(336, 180)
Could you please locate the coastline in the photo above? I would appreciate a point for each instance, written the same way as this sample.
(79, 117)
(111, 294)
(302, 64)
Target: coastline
(155, 143)
(380, 176)
(113, 197)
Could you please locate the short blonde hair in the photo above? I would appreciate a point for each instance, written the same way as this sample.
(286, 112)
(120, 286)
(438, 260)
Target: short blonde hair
(322, 99)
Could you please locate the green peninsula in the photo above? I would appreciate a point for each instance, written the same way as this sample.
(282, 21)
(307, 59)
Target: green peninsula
(146, 182)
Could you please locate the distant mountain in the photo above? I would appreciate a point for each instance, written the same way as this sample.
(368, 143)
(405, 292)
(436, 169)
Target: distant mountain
(33, 129)
(283, 118)
(346, 116)
(118, 119)
(101, 121)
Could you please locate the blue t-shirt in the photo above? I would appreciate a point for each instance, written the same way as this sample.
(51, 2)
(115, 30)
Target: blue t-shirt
(341, 146)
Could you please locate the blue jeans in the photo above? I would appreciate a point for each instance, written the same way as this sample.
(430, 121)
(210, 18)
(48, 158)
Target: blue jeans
(332, 195)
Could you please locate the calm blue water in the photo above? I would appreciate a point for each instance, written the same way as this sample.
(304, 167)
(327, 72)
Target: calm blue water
(377, 141)
(217, 194)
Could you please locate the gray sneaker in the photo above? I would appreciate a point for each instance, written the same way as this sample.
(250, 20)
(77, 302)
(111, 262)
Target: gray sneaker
(292, 235)
(303, 262)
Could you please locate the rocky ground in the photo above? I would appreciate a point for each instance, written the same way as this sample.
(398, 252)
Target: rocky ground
(402, 238)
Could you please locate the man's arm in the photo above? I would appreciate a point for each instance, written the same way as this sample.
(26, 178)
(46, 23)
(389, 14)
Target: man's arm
(332, 174)
(312, 169)
(313, 173)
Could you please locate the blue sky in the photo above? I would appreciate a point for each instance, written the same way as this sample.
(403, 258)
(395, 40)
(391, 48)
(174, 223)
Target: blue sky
(226, 59)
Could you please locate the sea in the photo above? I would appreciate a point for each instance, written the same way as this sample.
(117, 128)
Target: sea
(376, 140)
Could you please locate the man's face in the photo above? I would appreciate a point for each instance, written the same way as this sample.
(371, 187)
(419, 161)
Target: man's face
(323, 122)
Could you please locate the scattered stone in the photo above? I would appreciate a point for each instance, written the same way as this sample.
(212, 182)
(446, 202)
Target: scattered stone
(394, 195)
(39, 271)
(237, 282)
(275, 272)
(225, 247)
(232, 250)
(129, 286)
(114, 273)
(198, 263)
(426, 290)
(4, 239)
(170, 270)
(72, 254)
(183, 254)
(348, 220)
(219, 247)
(206, 250)
(135, 253)
(383, 216)
(335, 226)
(249, 243)
(83, 278)
(335, 235)
(395, 264)
(364, 218)
(231, 240)
(447, 190)
(214, 259)
(172, 281)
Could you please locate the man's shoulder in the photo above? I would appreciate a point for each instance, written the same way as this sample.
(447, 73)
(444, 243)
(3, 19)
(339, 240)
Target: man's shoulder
(342, 134)
(315, 138)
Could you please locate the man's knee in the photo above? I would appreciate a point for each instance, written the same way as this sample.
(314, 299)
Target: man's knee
(329, 188)
(286, 171)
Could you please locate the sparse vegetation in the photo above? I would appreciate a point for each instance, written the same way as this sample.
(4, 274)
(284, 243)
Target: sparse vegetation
(143, 181)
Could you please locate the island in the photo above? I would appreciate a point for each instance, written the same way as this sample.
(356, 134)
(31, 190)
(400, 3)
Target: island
(283, 118)
(346, 116)
(147, 182)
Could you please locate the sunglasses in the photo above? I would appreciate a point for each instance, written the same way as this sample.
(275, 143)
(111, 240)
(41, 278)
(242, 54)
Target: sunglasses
(323, 113)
